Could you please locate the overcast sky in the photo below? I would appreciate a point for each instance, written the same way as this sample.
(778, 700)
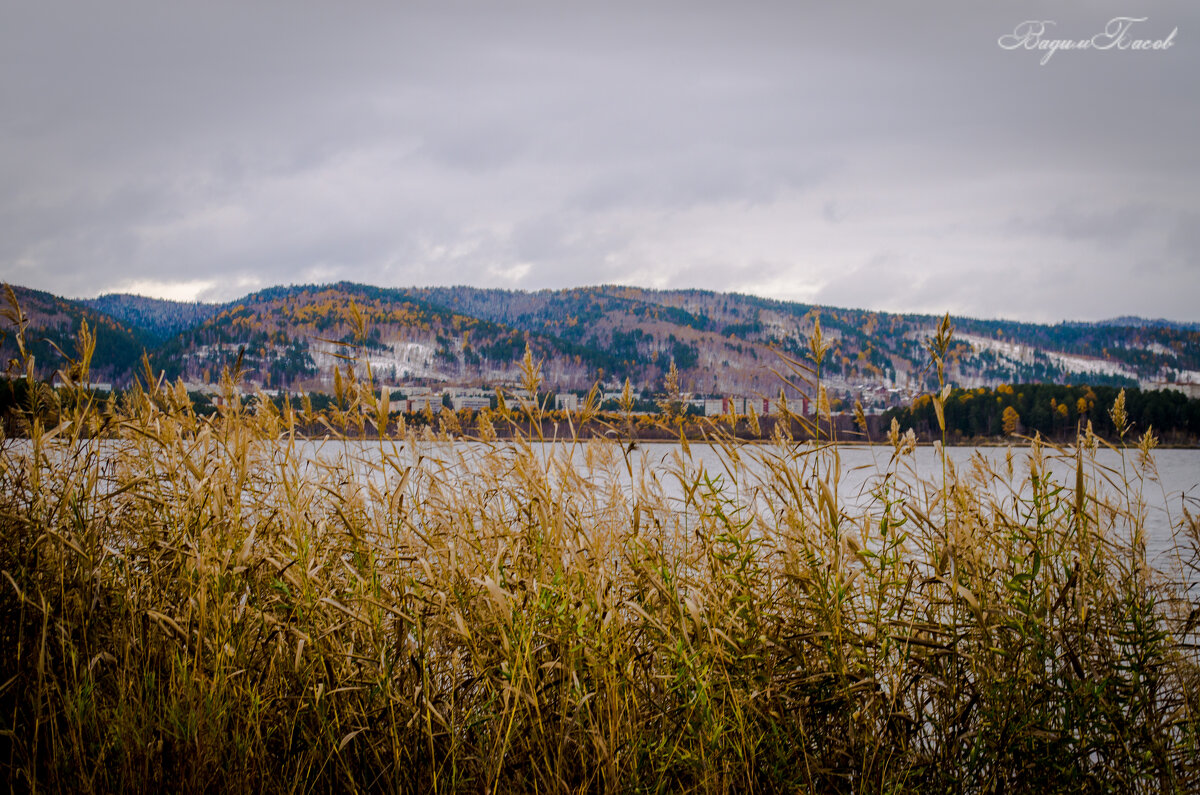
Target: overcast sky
(888, 155)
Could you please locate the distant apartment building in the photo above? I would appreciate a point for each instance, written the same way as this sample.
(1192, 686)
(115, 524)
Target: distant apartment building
(762, 406)
(731, 404)
(472, 402)
(99, 386)
(428, 400)
(736, 404)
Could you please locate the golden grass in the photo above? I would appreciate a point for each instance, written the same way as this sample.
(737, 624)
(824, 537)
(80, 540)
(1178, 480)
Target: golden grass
(201, 604)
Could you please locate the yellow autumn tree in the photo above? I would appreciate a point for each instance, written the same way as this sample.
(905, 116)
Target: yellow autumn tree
(1010, 420)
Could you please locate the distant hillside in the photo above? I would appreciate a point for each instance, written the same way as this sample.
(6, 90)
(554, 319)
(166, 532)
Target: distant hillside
(296, 336)
(157, 318)
(1129, 320)
(722, 343)
(54, 321)
(736, 334)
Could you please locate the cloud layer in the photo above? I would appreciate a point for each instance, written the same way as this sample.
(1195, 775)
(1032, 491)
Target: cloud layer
(866, 154)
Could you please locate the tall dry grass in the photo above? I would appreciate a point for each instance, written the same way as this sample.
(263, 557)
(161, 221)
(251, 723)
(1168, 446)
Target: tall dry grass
(193, 604)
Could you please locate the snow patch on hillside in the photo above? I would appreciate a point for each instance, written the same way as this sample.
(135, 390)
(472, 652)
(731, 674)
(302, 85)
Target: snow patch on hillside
(1155, 347)
(1026, 354)
(409, 359)
(1085, 364)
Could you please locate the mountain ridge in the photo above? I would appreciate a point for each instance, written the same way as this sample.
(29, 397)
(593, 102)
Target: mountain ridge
(722, 343)
(158, 317)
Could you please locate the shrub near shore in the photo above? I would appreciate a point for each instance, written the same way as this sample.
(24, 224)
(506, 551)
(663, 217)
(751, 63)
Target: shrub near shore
(197, 604)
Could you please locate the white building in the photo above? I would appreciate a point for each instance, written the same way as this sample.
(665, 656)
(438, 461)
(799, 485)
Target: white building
(99, 386)
(473, 402)
(416, 403)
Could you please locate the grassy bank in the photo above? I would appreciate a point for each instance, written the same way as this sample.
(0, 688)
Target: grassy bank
(192, 603)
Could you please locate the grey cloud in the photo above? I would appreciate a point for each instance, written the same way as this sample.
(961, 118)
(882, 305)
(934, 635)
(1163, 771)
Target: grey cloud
(884, 280)
(1184, 239)
(1073, 222)
(549, 144)
(702, 176)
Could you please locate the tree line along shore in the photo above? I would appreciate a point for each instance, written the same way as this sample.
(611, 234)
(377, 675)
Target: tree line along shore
(972, 416)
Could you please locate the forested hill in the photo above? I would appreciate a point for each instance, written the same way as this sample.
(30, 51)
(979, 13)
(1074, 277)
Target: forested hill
(722, 343)
(157, 318)
(867, 347)
(52, 326)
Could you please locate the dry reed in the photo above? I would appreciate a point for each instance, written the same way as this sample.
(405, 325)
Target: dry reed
(198, 604)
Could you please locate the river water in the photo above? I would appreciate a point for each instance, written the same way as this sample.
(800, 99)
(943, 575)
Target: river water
(1162, 493)
(1159, 492)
